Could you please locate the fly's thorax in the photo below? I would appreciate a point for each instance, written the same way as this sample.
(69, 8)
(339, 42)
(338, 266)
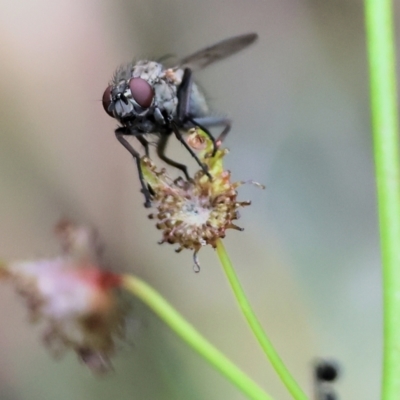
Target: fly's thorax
(164, 83)
(174, 75)
(166, 89)
(165, 97)
(150, 71)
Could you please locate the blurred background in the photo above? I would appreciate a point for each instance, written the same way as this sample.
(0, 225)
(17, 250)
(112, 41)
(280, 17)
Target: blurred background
(309, 256)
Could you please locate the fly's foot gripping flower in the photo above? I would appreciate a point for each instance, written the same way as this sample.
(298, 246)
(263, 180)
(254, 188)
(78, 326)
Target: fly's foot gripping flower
(73, 297)
(198, 212)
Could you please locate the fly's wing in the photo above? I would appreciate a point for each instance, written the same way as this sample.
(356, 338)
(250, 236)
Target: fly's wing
(218, 51)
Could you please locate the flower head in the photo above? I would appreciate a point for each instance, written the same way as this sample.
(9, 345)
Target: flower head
(73, 297)
(198, 212)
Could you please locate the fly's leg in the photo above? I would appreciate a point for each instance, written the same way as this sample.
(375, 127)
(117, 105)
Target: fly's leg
(183, 95)
(215, 143)
(183, 112)
(188, 148)
(119, 133)
(224, 133)
(212, 121)
(161, 146)
(145, 144)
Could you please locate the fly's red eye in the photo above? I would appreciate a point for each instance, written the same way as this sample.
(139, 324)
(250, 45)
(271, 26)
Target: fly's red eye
(107, 101)
(141, 91)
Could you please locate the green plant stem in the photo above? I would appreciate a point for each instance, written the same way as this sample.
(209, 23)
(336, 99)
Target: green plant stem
(187, 332)
(280, 368)
(381, 54)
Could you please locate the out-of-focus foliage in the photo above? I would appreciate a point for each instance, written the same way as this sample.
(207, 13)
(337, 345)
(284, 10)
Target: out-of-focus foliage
(309, 257)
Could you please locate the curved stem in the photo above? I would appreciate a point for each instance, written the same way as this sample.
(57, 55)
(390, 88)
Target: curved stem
(280, 368)
(188, 333)
(382, 66)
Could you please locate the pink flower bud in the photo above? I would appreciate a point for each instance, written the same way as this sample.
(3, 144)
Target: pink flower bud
(75, 299)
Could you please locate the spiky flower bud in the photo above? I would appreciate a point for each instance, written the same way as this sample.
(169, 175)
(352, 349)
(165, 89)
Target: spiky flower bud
(198, 212)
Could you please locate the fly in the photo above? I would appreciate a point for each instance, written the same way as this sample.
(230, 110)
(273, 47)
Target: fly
(148, 98)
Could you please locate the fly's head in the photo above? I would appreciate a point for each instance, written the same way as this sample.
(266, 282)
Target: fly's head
(128, 99)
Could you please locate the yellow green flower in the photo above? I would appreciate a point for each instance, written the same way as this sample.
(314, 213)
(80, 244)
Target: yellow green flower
(198, 212)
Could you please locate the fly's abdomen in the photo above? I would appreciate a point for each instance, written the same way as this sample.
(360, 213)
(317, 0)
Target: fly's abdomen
(198, 106)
